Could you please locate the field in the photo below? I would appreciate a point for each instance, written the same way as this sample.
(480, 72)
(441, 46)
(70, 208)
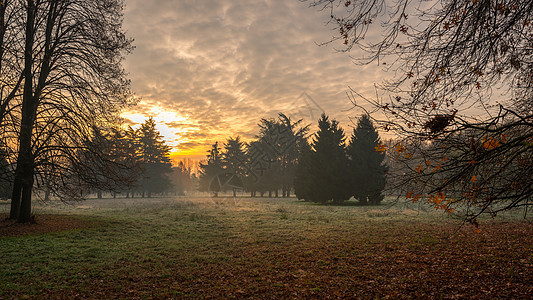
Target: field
(260, 248)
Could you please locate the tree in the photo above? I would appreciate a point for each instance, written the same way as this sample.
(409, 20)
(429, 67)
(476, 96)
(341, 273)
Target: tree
(211, 172)
(302, 181)
(234, 162)
(11, 72)
(66, 59)
(274, 156)
(117, 170)
(327, 166)
(366, 166)
(461, 143)
(292, 144)
(154, 159)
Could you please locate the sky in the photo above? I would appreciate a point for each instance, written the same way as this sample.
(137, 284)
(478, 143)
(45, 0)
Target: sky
(209, 69)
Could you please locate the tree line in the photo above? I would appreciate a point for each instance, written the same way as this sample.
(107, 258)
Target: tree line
(149, 168)
(459, 101)
(281, 160)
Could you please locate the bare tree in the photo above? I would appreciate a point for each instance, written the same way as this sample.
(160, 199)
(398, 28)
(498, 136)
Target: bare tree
(72, 82)
(460, 100)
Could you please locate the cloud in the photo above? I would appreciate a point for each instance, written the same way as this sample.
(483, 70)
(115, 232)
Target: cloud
(210, 69)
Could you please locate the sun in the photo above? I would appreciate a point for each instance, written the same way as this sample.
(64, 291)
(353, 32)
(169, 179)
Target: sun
(177, 130)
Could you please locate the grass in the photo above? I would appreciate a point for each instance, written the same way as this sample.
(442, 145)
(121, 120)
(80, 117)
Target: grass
(263, 248)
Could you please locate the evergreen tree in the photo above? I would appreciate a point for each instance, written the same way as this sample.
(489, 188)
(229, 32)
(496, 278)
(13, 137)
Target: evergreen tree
(154, 157)
(210, 170)
(367, 169)
(292, 144)
(234, 162)
(269, 149)
(275, 154)
(302, 180)
(328, 164)
(108, 163)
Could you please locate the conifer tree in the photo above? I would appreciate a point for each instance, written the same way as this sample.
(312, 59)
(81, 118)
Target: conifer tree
(234, 162)
(328, 168)
(210, 170)
(154, 158)
(302, 180)
(367, 169)
(275, 155)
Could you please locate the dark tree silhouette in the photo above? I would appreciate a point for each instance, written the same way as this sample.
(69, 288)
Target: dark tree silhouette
(274, 156)
(211, 172)
(66, 60)
(234, 161)
(302, 180)
(11, 71)
(460, 101)
(110, 162)
(154, 159)
(366, 165)
(327, 180)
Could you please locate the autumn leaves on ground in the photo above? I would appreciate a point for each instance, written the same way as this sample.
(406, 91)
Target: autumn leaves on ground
(260, 248)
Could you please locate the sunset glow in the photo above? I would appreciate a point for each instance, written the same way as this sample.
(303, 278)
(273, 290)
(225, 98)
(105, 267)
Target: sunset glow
(210, 70)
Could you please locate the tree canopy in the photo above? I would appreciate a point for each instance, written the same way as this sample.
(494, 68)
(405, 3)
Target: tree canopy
(323, 171)
(367, 170)
(459, 102)
(154, 159)
(61, 77)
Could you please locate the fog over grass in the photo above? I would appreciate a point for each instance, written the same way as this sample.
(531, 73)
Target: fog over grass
(262, 247)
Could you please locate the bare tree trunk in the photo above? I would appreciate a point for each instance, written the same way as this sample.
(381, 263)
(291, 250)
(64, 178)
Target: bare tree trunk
(25, 203)
(24, 176)
(47, 193)
(15, 196)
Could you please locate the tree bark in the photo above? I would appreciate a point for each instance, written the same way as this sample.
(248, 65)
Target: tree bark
(24, 171)
(15, 196)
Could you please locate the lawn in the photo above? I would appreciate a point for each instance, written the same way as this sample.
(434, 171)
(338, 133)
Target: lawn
(261, 248)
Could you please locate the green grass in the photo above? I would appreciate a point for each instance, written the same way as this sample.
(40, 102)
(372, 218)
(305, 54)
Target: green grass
(225, 247)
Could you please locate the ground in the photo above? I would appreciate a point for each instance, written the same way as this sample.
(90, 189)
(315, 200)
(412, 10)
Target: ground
(260, 248)
(42, 224)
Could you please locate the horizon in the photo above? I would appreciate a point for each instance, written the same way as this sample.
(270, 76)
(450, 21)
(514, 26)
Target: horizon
(208, 71)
